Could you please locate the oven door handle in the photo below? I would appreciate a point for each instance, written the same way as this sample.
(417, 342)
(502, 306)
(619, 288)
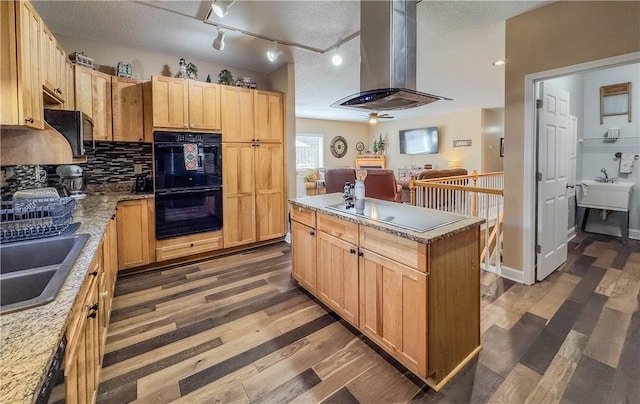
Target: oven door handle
(187, 191)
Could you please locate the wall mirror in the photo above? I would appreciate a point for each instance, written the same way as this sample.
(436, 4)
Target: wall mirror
(615, 99)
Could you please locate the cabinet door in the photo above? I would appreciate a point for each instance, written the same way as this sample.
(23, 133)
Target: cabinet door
(30, 109)
(48, 59)
(61, 72)
(70, 98)
(269, 185)
(337, 275)
(239, 202)
(393, 309)
(204, 105)
(93, 97)
(127, 110)
(237, 114)
(170, 102)
(133, 234)
(303, 255)
(269, 116)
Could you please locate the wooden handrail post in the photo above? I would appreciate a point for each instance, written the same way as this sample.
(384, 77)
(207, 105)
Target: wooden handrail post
(474, 176)
(412, 190)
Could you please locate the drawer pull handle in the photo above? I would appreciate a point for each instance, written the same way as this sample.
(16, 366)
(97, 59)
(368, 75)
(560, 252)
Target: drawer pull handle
(312, 233)
(30, 120)
(191, 244)
(360, 254)
(352, 251)
(94, 307)
(94, 273)
(93, 314)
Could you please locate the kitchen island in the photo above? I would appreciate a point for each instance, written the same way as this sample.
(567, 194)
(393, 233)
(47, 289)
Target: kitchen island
(30, 337)
(407, 277)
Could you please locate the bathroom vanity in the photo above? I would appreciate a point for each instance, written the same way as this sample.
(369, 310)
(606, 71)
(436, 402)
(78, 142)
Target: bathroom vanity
(407, 277)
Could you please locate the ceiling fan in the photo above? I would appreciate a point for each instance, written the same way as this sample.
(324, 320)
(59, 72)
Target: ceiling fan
(374, 116)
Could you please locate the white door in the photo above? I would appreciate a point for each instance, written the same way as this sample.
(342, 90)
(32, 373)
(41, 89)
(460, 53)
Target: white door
(553, 153)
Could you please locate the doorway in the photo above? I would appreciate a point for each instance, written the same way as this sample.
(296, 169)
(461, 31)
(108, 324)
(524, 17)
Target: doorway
(531, 142)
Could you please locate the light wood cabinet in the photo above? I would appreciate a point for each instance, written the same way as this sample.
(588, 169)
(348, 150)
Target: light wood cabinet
(83, 353)
(253, 192)
(237, 114)
(371, 162)
(185, 104)
(53, 66)
(393, 309)
(337, 275)
(303, 255)
(269, 116)
(188, 245)
(21, 96)
(127, 104)
(419, 302)
(70, 99)
(136, 238)
(93, 97)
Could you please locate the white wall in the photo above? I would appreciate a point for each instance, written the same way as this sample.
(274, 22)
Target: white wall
(353, 132)
(597, 154)
(145, 63)
(452, 126)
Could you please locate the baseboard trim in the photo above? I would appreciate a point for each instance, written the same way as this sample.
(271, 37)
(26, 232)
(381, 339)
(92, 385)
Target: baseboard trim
(634, 234)
(512, 274)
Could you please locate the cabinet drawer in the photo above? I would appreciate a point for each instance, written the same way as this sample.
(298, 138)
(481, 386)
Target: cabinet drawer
(408, 252)
(303, 215)
(188, 245)
(339, 228)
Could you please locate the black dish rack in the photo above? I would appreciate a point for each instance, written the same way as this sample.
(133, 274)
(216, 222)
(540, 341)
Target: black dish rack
(28, 219)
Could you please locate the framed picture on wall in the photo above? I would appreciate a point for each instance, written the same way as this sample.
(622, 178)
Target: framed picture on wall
(501, 147)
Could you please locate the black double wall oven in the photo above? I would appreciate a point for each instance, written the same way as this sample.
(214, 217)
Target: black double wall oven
(188, 183)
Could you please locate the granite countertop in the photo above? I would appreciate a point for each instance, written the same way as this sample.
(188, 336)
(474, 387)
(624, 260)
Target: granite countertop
(319, 203)
(30, 337)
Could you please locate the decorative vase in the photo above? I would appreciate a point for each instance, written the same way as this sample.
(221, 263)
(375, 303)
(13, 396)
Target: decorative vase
(359, 196)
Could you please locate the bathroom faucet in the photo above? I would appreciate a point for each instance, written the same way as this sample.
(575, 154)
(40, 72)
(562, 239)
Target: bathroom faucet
(606, 177)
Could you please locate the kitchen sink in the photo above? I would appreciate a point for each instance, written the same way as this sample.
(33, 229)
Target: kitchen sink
(32, 272)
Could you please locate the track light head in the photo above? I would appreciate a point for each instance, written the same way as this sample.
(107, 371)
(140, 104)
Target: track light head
(218, 43)
(221, 7)
(274, 54)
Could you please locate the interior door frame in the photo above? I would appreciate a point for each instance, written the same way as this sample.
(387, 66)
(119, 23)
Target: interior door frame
(530, 142)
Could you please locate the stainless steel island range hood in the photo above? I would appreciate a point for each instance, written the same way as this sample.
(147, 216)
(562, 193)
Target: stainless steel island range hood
(387, 58)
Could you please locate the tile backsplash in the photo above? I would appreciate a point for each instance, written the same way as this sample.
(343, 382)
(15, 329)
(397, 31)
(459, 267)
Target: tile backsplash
(109, 167)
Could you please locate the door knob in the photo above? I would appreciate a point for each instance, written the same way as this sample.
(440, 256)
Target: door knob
(571, 186)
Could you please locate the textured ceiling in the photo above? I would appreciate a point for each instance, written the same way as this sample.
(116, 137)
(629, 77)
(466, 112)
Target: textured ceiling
(457, 43)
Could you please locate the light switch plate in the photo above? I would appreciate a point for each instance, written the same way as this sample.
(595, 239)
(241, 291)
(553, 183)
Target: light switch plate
(137, 168)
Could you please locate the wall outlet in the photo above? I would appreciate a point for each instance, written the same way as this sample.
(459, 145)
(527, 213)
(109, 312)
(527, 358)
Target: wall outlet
(137, 168)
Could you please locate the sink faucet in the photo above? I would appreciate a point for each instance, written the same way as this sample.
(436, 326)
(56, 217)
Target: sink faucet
(606, 177)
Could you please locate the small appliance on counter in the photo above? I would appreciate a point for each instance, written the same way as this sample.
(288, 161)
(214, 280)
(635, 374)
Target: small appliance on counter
(143, 184)
(71, 178)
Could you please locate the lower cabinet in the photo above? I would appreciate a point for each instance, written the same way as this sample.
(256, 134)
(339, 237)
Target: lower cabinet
(136, 238)
(337, 275)
(188, 245)
(393, 302)
(303, 255)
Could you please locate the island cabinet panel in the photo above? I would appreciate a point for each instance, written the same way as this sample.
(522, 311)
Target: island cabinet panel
(339, 228)
(405, 251)
(303, 255)
(337, 275)
(393, 309)
(454, 300)
(303, 215)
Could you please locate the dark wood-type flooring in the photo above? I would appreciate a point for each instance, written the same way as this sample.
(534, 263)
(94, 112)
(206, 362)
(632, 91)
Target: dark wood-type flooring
(238, 329)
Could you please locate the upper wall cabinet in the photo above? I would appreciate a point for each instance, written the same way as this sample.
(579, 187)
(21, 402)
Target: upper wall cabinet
(93, 97)
(127, 108)
(53, 66)
(185, 104)
(269, 124)
(21, 95)
(237, 114)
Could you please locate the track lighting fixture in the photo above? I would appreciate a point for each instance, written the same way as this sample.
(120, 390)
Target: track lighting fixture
(221, 7)
(218, 43)
(337, 59)
(274, 54)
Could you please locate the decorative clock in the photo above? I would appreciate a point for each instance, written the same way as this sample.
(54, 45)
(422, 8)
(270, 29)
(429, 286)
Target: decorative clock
(338, 146)
(359, 147)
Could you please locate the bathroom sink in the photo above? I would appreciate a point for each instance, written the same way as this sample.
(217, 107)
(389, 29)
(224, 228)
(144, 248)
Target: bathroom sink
(32, 272)
(604, 195)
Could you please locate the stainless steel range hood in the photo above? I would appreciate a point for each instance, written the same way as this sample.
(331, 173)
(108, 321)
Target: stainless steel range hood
(387, 58)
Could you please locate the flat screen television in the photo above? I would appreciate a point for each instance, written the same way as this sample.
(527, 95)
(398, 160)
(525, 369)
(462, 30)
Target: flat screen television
(419, 141)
